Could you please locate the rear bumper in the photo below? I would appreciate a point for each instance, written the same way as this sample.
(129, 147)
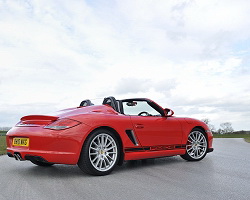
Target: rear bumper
(62, 147)
(18, 156)
(45, 156)
(10, 154)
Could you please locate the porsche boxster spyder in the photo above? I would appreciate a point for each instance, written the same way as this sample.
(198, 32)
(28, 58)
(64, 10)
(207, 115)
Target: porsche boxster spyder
(99, 137)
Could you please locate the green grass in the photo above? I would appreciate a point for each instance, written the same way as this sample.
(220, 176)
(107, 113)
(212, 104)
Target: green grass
(247, 140)
(2, 145)
(245, 136)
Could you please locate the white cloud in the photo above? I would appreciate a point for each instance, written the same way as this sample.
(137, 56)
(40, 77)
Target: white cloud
(188, 55)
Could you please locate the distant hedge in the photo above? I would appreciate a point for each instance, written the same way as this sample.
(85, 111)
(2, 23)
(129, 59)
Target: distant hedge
(3, 133)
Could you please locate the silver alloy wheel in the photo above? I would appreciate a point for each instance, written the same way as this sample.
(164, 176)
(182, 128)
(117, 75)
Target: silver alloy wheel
(197, 145)
(103, 152)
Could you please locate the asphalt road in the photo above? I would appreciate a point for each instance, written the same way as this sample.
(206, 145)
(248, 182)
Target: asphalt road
(223, 174)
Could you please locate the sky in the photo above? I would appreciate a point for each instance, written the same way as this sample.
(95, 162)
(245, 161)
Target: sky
(188, 55)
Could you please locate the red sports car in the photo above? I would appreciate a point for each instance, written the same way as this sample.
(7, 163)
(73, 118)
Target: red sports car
(99, 137)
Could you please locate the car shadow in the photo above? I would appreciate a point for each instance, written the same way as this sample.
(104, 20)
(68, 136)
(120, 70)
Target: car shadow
(148, 163)
(66, 171)
(57, 170)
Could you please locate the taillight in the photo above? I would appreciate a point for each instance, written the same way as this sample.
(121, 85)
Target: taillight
(61, 124)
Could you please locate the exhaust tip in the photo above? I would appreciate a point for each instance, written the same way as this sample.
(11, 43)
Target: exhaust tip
(17, 156)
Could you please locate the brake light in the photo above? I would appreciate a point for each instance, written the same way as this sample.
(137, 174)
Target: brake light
(61, 124)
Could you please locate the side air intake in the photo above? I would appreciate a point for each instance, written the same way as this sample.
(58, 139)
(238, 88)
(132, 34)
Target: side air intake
(131, 135)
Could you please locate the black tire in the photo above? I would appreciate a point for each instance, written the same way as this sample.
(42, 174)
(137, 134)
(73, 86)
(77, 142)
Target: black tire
(42, 164)
(100, 153)
(196, 147)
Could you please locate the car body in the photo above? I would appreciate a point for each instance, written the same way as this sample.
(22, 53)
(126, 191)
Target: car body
(98, 137)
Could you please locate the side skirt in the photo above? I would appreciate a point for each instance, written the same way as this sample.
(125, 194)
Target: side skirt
(137, 155)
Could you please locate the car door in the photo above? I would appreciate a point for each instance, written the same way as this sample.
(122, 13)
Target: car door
(157, 131)
(151, 128)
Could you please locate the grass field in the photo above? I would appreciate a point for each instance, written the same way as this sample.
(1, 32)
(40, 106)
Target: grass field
(245, 136)
(2, 145)
(2, 142)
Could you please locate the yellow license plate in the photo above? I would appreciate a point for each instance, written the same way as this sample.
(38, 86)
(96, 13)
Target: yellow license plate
(24, 142)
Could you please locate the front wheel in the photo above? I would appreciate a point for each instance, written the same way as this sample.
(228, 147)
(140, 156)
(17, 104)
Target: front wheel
(100, 153)
(196, 147)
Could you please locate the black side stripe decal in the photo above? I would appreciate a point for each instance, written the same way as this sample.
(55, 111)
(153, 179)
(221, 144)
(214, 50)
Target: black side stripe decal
(155, 148)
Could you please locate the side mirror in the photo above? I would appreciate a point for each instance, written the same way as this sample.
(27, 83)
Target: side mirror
(168, 112)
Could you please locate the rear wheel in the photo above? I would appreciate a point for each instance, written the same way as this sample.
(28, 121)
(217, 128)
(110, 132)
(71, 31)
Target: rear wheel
(100, 153)
(196, 147)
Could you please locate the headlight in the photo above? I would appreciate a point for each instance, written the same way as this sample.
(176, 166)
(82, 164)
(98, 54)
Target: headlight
(61, 124)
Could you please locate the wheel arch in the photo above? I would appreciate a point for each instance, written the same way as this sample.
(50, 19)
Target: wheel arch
(201, 128)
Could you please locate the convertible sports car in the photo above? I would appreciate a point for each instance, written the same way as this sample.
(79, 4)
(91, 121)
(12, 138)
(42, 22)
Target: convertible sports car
(99, 137)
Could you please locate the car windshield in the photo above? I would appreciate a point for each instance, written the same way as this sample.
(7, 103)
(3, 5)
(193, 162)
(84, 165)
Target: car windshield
(137, 107)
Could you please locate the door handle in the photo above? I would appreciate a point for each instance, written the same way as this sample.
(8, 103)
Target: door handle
(139, 126)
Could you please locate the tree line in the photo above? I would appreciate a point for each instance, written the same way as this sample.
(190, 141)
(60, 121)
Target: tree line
(5, 128)
(225, 128)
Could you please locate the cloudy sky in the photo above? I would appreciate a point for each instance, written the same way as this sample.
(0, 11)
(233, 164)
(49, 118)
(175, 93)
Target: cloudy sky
(189, 55)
